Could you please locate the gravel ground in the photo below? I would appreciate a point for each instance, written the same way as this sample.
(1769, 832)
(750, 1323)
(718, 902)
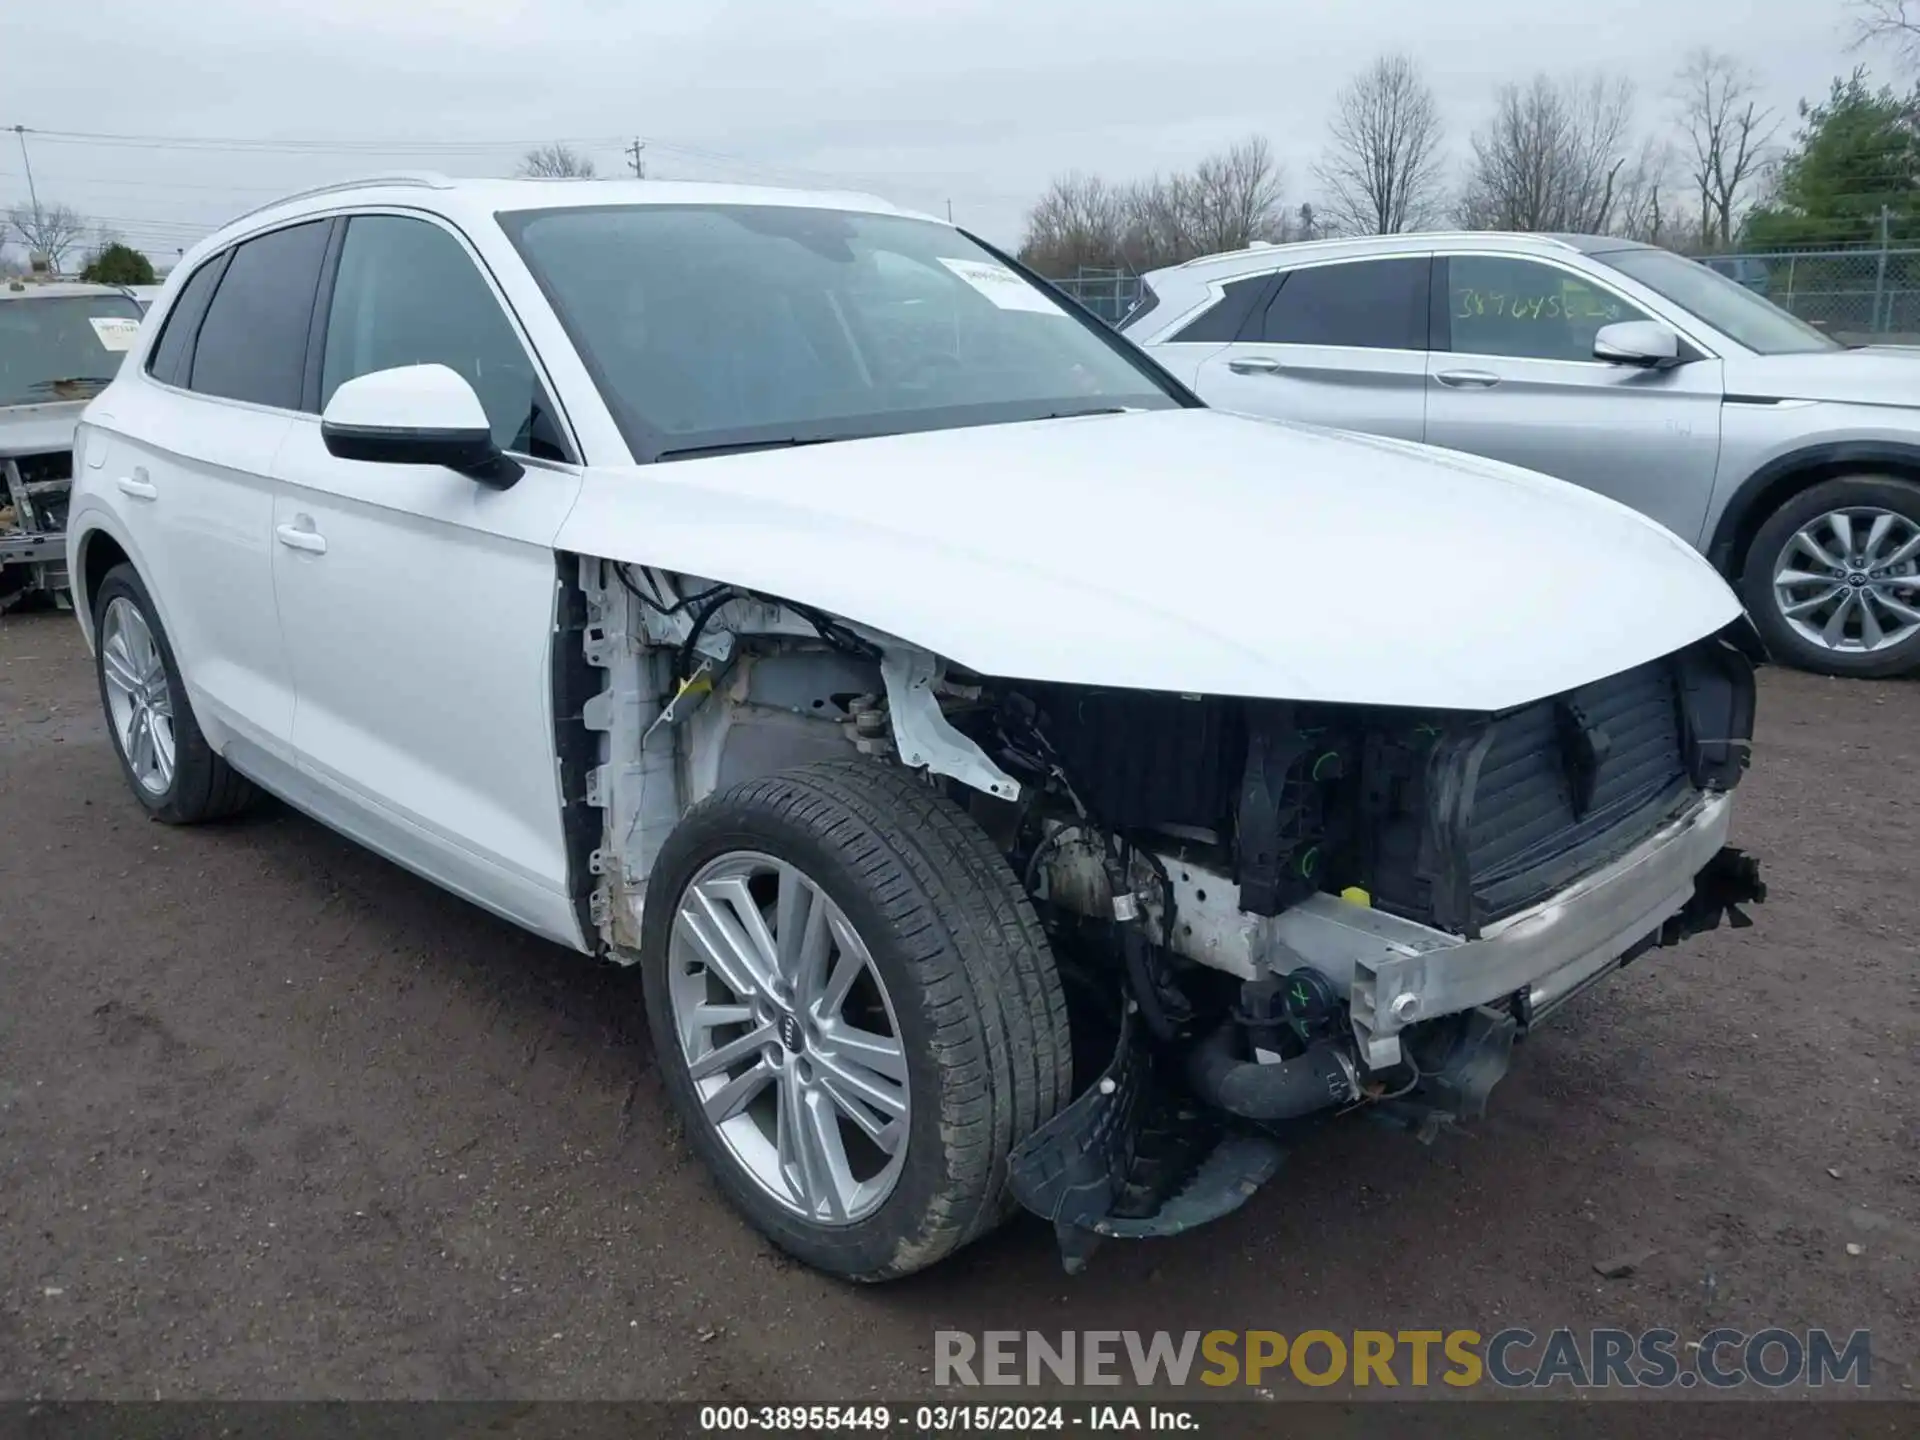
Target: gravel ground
(279, 1120)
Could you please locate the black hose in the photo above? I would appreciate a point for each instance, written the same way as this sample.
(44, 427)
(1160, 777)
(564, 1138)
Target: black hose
(1285, 1090)
(1134, 947)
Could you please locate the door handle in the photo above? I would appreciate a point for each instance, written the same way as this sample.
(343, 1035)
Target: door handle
(1255, 365)
(302, 537)
(1468, 379)
(137, 485)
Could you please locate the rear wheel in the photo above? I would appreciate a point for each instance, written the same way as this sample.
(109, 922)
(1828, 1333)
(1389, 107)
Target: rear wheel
(167, 761)
(855, 1011)
(1833, 577)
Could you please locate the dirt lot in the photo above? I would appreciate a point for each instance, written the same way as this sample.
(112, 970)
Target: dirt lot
(277, 1119)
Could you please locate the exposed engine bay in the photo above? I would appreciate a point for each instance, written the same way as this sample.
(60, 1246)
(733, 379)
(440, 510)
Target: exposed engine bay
(1265, 912)
(34, 490)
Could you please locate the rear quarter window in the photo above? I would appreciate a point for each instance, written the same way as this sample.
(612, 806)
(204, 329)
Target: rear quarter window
(1224, 320)
(171, 353)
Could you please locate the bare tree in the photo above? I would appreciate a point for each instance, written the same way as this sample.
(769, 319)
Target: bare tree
(1226, 202)
(1895, 23)
(1233, 197)
(1077, 223)
(1647, 204)
(1551, 158)
(1383, 173)
(49, 230)
(557, 161)
(1726, 132)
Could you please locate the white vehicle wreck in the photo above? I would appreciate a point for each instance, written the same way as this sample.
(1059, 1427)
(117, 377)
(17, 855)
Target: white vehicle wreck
(1016, 782)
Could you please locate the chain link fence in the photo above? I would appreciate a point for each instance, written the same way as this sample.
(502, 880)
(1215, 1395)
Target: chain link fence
(1110, 294)
(1854, 295)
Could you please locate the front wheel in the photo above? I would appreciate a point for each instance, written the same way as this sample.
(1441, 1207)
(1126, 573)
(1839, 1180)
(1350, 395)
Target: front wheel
(1832, 579)
(855, 1012)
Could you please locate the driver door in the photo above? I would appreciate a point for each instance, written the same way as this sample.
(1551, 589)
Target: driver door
(417, 606)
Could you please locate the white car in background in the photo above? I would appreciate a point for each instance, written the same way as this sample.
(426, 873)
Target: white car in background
(783, 593)
(1790, 460)
(60, 343)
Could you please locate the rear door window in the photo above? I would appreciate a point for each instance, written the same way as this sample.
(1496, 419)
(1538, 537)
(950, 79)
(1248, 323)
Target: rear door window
(253, 343)
(1366, 304)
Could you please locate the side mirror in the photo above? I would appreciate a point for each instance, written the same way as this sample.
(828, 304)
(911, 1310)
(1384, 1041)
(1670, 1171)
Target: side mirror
(416, 415)
(1637, 342)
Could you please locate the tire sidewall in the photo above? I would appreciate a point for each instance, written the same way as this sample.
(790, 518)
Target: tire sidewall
(872, 1244)
(1756, 581)
(122, 582)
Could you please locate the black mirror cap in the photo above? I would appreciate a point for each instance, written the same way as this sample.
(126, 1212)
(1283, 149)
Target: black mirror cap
(468, 452)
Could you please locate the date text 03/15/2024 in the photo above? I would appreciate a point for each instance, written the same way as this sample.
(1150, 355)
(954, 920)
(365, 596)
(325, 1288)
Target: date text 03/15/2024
(948, 1419)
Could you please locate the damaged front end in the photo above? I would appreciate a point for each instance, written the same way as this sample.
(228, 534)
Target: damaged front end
(1264, 913)
(1308, 910)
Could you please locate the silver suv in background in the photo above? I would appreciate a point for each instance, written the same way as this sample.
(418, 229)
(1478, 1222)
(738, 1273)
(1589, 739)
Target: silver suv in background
(1792, 461)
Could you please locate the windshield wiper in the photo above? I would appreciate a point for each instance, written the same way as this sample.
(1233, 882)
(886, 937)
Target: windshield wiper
(742, 447)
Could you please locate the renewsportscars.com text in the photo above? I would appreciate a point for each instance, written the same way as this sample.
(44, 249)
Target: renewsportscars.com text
(1513, 1358)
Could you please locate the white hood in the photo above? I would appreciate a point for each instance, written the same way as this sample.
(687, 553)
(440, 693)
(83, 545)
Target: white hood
(1189, 551)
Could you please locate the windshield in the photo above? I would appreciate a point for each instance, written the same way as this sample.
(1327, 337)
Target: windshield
(718, 327)
(62, 347)
(1730, 308)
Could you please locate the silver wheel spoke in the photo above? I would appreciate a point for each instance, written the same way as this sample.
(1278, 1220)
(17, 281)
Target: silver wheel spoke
(801, 943)
(726, 947)
(809, 1146)
(726, 1056)
(1871, 635)
(846, 970)
(1801, 607)
(120, 672)
(1814, 548)
(771, 985)
(709, 1017)
(881, 1054)
(888, 1132)
(853, 1079)
(162, 737)
(1877, 536)
(1841, 524)
(730, 1099)
(1834, 631)
(1908, 551)
(1802, 577)
(1899, 608)
(142, 742)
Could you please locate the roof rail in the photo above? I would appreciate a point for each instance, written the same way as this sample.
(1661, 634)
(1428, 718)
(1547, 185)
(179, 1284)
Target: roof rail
(421, 179)
(1332, 242)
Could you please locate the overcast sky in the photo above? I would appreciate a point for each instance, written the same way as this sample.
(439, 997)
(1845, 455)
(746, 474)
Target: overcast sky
(976, 102)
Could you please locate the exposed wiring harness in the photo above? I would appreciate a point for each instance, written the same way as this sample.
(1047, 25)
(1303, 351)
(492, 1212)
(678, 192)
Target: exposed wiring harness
(831, 631)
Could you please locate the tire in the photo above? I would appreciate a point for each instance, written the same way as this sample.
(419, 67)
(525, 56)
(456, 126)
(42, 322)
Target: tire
(201, 786)
(969, 987)
(1776, 545)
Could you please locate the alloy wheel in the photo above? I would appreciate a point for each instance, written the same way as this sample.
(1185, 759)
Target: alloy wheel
(789, 1037)
(139, 701)
(1849, 580)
